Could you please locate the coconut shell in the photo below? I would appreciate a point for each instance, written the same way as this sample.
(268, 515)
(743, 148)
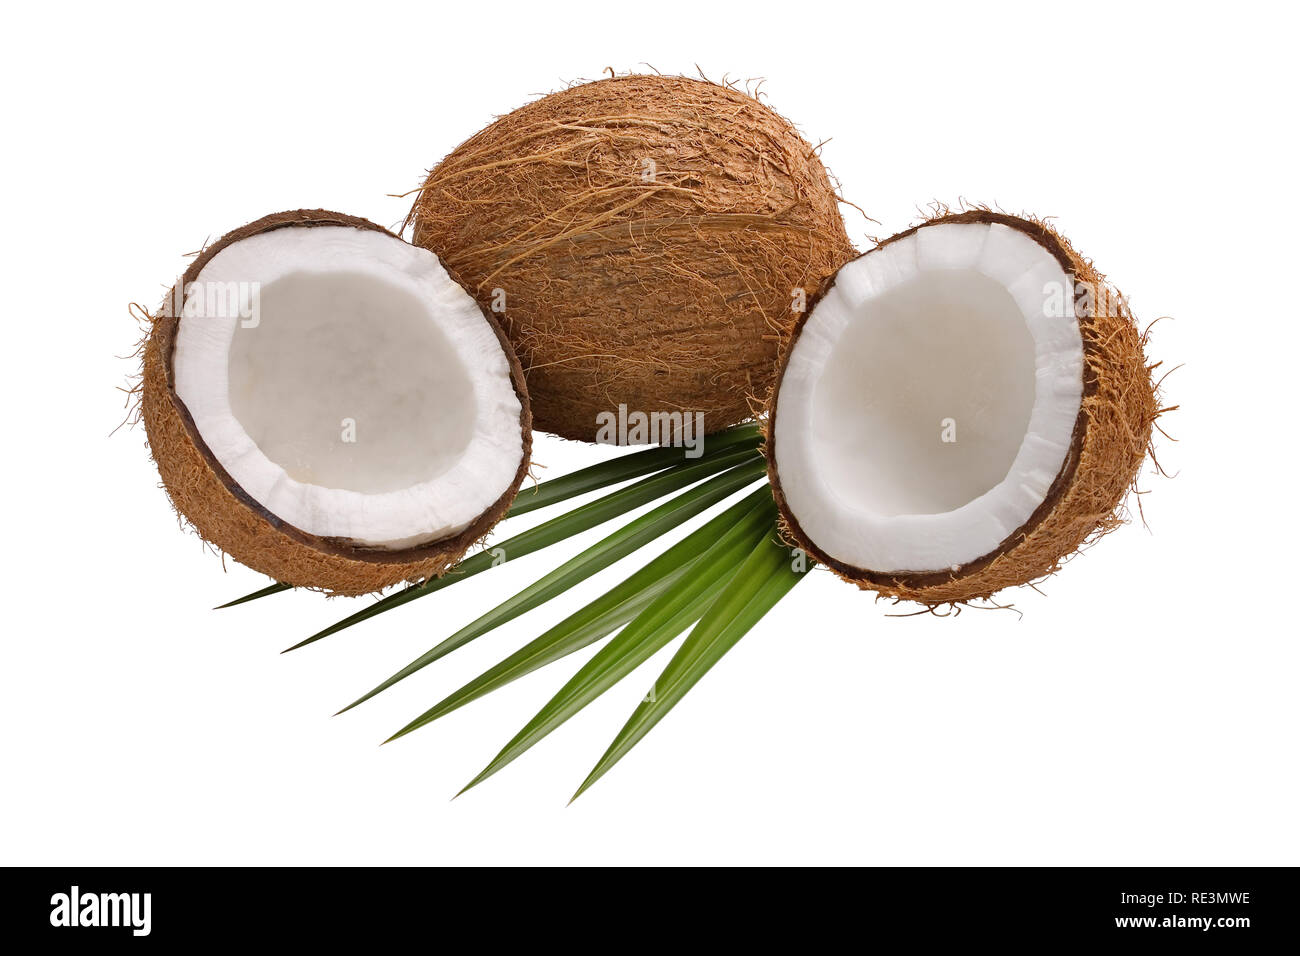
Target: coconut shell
(645, 234)
(1111, 439)
(205, 495)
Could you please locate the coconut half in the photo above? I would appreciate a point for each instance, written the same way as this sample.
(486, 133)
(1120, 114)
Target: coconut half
(329, 407)
(961, 408)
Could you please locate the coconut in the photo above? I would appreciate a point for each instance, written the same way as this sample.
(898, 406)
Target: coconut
(327, 406)
(646, 240)
(962, 407)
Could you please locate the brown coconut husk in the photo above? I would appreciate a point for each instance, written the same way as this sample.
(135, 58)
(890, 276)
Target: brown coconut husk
(205, 495)
(1112, 437)
(671, 295)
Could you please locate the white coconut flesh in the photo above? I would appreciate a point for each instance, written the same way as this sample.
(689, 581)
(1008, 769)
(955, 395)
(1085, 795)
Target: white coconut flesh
(930, 400)
(356, 392)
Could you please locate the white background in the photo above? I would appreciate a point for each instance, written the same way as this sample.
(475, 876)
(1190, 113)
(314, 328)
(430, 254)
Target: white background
(1144, 708)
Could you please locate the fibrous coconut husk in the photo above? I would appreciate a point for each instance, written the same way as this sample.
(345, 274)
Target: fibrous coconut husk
(1111, 440)
(205, 495)
(645, 235)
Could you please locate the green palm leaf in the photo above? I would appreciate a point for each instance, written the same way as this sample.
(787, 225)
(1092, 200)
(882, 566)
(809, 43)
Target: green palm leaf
(596, 558)
(267, 591)
(670, 614)
(580, 482)
(625, 468)
(602, 616)
(763, 579)
(550, 532)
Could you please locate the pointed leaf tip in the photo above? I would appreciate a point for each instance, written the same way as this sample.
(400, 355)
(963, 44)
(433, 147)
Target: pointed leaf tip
(599, 556)
(765, 577)
(560, 528)
(672, 612)
(274, 588)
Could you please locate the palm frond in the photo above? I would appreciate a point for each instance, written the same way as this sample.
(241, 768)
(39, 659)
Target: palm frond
(592, 478)
(596, 558)
(602, 616)
(666, 618)
(551, 532)
(765, 577)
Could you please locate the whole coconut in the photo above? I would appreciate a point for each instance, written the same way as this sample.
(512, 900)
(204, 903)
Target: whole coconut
(646, 241)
